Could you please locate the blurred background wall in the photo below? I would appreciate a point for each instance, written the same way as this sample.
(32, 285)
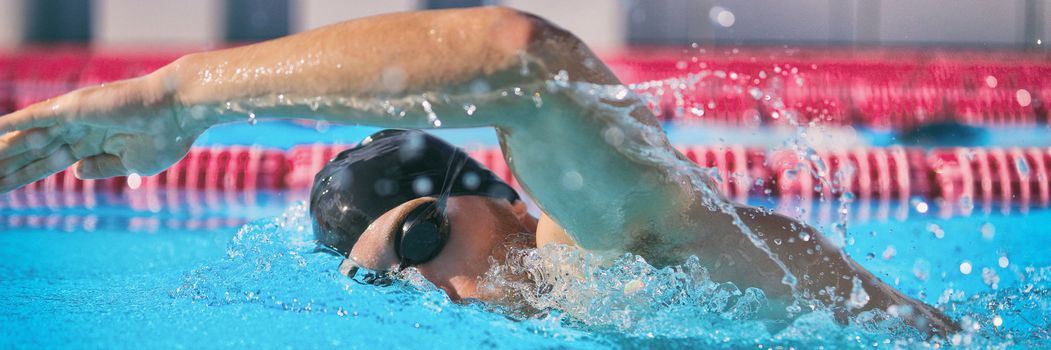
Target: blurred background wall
(604, 24)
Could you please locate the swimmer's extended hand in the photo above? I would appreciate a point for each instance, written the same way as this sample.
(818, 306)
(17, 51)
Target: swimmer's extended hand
(131, 126)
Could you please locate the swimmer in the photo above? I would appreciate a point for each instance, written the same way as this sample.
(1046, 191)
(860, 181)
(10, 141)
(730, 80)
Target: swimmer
(584, 147)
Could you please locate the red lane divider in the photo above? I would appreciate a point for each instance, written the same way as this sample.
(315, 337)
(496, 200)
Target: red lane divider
(965, 176)
(895, 89)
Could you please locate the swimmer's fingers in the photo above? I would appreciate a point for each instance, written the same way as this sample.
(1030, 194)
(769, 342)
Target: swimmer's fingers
(39, 169)
(39, 115)
(100, 167)
(19, 142)
(13, 163)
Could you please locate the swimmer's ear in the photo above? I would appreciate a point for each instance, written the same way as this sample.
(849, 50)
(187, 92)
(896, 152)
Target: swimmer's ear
(348, 268)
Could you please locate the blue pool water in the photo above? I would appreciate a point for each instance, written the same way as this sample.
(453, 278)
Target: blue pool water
(259, 286)
(284, 135)
(243, 275)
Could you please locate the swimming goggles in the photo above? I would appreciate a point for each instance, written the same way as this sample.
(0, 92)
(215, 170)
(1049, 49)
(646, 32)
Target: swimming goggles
(418, 239)
(422, 234)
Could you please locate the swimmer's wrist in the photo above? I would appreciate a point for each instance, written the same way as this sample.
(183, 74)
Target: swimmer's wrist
(193, 105)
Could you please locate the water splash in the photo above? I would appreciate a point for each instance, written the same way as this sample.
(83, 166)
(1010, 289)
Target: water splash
(574, 295)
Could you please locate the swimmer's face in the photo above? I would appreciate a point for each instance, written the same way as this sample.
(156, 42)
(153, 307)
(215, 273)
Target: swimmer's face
(481, 227)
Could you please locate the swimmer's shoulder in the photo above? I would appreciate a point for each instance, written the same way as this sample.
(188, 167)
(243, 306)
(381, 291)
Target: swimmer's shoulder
(549, 232)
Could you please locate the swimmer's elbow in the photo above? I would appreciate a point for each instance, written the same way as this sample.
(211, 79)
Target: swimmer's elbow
(547, 44)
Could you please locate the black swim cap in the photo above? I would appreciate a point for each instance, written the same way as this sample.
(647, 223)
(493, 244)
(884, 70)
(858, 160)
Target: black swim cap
(385, 170)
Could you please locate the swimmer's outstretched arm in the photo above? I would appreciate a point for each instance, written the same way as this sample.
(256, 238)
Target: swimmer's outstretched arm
(451, 68)
(390, 70)
(589, 151)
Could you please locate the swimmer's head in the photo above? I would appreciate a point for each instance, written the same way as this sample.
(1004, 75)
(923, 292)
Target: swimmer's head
(385, 170)
(363, 198)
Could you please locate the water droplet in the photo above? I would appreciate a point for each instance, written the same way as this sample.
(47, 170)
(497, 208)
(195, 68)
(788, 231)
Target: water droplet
(471, 181)
(921, 206)
(936, 230)
(134, 181)
(633, 286)
(613, 135)
(889, 253)
(1003, 262)
(469, 108)
(988, 231)
(990, 278)
(422, 185)
(619, 92)
(251, 118)
(721, 16)
(572, 180)
(697, 111)
(921, 269)
(562, 76)
(965, 267)
(858, 297)
(322, 126)
(1023, 97)
(755, 92)
(990, 81)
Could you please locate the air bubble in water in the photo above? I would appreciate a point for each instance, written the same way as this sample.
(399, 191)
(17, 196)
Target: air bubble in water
(251, 118)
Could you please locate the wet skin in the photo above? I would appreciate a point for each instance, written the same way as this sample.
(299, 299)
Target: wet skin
(561, 116)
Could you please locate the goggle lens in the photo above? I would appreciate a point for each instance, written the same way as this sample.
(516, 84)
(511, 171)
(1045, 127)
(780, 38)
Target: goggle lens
(423, 234)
